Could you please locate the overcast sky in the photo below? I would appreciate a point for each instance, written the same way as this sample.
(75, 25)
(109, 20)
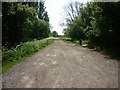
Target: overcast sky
(56, 12)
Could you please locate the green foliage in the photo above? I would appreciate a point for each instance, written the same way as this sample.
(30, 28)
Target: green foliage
(69, 40)
(21, 51)
(99, 24)
(64, 37)
(42, 14)
(17, 22)
(20, 23)
(54, 34)
(31, 4)
(86, 42)
(41, 29)
(20, 26)
(66, 32)
(77, 30)
(103, 22)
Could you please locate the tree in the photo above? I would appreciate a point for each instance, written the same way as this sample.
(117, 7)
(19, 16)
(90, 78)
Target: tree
(76, 26)
(41, 29)
(76, 30)
(31, 4)
(102, 23)
(54, 34)
(66, 32)
(17, 23)
(72, 10)
(42, 14)
(109, 28)
(20, 23)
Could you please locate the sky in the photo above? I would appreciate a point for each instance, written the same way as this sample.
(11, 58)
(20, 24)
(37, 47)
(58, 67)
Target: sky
(55, 9)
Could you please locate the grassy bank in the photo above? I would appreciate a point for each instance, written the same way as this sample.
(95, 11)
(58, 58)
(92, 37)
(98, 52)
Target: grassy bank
(111, 52)
(21, 52)
(69, 40)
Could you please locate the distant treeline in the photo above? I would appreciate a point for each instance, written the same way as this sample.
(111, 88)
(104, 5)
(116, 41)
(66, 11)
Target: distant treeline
(97, 22)
(23, 21)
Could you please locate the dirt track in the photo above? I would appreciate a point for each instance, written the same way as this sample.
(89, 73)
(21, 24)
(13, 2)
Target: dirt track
(63, 65)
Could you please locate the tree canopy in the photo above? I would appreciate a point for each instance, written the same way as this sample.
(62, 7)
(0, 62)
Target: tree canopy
(54, 34)
(20, 22)
(97, 22)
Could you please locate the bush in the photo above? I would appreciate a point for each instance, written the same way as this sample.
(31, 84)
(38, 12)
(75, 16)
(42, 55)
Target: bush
(41, 29)
(23, 50)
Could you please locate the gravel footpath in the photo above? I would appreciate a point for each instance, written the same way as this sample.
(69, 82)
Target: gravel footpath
(63, 65)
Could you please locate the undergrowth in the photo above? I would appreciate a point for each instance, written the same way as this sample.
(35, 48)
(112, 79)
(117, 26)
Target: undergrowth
(21, 52)
(111, 52)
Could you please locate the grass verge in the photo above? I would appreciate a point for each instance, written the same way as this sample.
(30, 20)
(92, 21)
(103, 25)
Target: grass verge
(111, 52)
(69, 40)
(22, 52)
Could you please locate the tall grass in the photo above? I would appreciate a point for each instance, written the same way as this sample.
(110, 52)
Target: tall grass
(23, 50)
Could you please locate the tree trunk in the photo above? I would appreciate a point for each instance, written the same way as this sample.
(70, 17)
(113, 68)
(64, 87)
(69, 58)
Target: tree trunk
(80, 41)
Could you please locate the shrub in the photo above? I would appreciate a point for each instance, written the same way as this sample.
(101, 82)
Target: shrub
(24, 49)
